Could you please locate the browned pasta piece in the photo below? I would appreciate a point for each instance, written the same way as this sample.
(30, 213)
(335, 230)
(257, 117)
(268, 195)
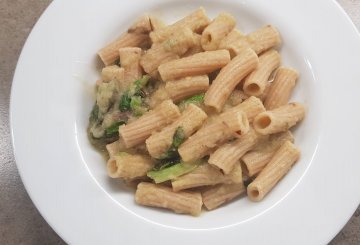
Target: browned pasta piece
(138, 131)
(217, 30)
(211, 135)
(196, 21)
(142, 25)
(229, 77)
(227, 155)
(171, 49)
(197, 64)
(190, 120)
(279, 119)
(205, 175)
(279, 165)
(254, 161)
(127, 166)
(220, 194)
(251, 106)
(130, 61)
(256, 83)
(186, 202)
(110, 53)
(281, 88)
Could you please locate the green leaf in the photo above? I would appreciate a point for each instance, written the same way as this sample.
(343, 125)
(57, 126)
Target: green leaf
(125, 101)
(94, 115)
(138, 85)
(113, 129)
(171, 172)
(196, 99)
(178, 139)
(136, 106)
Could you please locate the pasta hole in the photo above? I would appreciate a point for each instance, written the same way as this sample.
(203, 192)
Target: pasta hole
(208, 38)
(263, 122)
(112, 166)
(253, 88)
(254, 193)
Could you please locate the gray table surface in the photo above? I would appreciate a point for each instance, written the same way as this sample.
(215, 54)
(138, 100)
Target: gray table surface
(20, 222)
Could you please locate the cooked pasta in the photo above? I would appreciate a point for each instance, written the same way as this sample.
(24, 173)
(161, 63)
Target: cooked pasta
(279, 165)
(191, 111)
(229, 77)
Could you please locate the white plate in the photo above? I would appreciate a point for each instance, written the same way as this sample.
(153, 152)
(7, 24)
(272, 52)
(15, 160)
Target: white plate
(66, 178)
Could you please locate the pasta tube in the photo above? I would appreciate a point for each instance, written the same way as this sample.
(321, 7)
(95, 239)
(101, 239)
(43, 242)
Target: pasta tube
(279, 165)
(115, 147)
(216, 31)
(205, 175)
(185, 87)
(110, 53)
(170, 49)
(141, 26)
(196, 22)
(153, 195)
(130, 61)
(229, 77)
(220, 194)
(190, 120)
(254, 161)
(281, 88)
(127, 166)
(257, 81)
(211, 135)
(227, 155)
(227, 42)
(138, 131)
(279, 119)
(251, 106)
(113, 72)
(197, 64)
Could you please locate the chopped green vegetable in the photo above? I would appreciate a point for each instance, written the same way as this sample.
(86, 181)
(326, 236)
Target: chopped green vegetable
(196, 99)
(125, 102)
(113, 129)
(171, 172)
(178, 139)
(136, 106)
(94, 115)
(138, 85)
(131, 100)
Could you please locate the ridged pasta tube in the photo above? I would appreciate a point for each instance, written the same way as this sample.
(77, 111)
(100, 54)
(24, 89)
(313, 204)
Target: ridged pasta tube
(205, 175)
(227, 155)
(160, 196)
(279, 165)
(196, 21)
(279, 119)
(252, 106)
(281, 88)
(217, 30)
(138, 131)
(220, 194)
(128, 166)
(254, 161)
(190, 120)
(257, 81)
(194, 65)
(229, 77)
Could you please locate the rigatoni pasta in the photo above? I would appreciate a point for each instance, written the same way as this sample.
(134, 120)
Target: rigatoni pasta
(190, 112)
